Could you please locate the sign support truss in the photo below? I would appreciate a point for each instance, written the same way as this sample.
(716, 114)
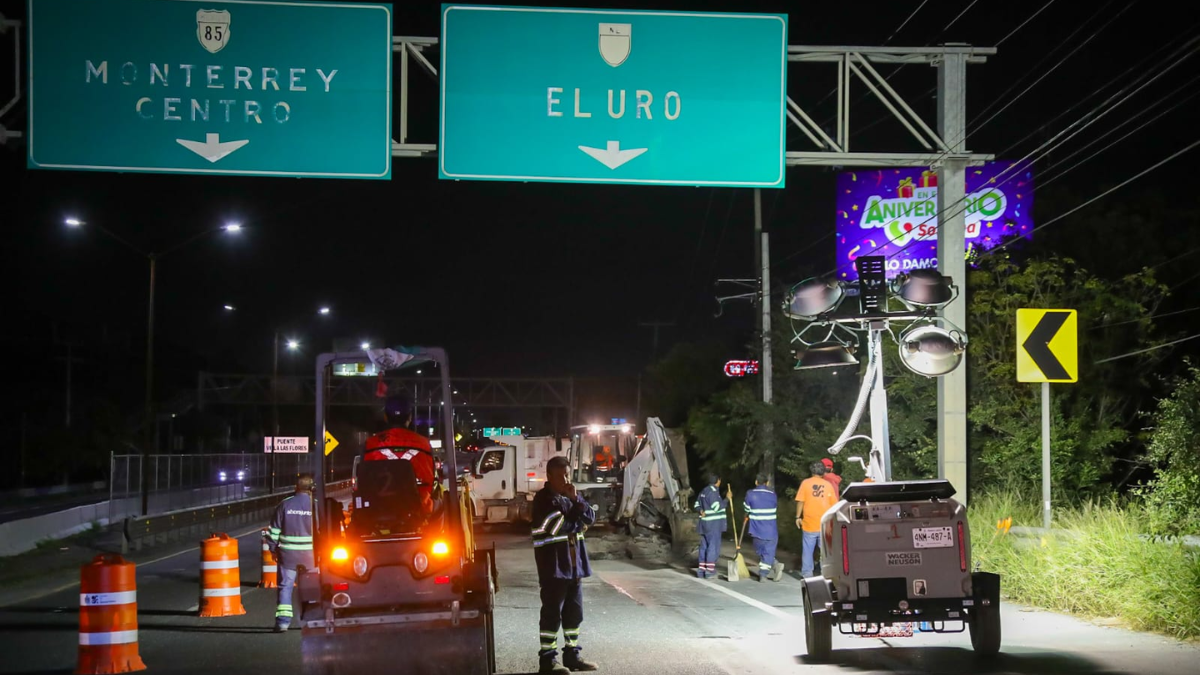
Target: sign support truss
(851, 63)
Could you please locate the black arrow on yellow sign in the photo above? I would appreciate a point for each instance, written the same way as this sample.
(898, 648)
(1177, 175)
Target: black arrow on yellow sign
(1037, 345)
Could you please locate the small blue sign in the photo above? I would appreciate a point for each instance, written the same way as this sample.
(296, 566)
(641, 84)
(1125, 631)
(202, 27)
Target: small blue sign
(245, 87)
(612, 96)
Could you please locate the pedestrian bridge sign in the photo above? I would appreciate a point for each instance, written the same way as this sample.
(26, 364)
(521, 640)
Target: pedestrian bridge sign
(603, 96)
(246, 87)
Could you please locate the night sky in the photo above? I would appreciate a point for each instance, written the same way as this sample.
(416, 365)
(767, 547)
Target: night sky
(545, 279)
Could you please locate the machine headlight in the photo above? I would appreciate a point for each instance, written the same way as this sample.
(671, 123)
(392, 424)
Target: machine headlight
(360, 566)
(420, 563)
(221, 476)
(241, 475)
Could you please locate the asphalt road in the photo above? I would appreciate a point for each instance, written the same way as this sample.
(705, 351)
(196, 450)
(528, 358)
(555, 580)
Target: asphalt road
(640, 620)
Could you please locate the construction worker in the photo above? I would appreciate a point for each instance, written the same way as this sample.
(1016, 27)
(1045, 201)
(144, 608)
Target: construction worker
(290, 539)
(833, 479)
(712, 508)
(760, 506)
(400, 442)
(602, 462)
(560, 516)
(813, 499)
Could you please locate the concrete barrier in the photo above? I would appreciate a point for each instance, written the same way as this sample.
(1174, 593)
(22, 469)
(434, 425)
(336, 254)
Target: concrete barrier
(19, 536)
(28, 493)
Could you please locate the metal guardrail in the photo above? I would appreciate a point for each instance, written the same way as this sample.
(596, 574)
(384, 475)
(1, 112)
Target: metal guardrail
(142, 532)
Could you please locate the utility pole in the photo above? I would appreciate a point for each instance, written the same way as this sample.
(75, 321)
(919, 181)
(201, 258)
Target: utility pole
(148, 432)
(951, 246)
(275, 410)
(656, 325)
(762, 256)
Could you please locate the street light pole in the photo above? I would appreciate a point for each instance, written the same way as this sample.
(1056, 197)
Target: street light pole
(274, 408)
(148, 431)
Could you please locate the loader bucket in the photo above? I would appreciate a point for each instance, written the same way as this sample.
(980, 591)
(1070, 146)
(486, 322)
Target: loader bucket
(424, 648)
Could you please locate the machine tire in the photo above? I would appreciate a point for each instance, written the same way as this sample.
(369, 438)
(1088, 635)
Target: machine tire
(818, 632)
(490, 620)
(984, 625)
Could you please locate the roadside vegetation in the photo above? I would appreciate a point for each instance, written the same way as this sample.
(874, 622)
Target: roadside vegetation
(1099, 561)
(1125, 453)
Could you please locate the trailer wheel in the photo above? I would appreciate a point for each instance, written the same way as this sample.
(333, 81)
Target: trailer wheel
(984, 625)
(818, 632)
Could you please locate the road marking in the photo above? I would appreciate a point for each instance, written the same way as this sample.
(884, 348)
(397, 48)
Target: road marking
(193, 608)
(746, 599)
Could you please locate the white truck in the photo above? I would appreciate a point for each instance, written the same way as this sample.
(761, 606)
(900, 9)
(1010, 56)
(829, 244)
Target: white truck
(507, 474)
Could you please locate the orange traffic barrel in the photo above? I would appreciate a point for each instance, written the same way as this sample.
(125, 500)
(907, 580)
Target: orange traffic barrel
(220, 577)
(108, 634)
(270, 569)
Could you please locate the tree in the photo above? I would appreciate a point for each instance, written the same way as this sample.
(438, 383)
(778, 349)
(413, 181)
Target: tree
(1174, 495)
(1091, 420)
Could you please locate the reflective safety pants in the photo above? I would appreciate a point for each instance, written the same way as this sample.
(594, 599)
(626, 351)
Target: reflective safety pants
(562, 604)
(710, 550)
(765, 548)
(287, 584)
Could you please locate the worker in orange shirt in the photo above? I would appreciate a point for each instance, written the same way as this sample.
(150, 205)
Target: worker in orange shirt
(813, 499)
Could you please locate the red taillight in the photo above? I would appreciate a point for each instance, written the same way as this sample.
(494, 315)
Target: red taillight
(845, 551)
(441, 580)
(962, 549)
(531, 474)
(341, 587)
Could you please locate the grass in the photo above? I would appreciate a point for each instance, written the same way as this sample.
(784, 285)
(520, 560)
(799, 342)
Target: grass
(1095, 563)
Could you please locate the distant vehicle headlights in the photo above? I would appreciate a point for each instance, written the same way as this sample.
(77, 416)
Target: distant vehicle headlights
(221, 476)
(241, 475)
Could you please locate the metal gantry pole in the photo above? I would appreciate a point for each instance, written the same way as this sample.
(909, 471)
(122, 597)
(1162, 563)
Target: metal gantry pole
(951, 245)
(879, 408)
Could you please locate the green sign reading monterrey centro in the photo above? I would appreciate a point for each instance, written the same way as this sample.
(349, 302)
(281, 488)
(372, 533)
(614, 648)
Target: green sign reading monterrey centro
(243, 87)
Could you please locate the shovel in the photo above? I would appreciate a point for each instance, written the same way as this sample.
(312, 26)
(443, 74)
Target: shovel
(737, 567)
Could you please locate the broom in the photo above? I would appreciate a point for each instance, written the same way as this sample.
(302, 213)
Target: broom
(739, 563)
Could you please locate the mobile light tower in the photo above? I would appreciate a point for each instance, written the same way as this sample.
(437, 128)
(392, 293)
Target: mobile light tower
(929, 345)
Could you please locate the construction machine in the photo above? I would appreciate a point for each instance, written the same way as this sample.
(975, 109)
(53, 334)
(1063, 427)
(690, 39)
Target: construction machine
(598, 456)
(655, 493)
(646, 485)
(401, 589)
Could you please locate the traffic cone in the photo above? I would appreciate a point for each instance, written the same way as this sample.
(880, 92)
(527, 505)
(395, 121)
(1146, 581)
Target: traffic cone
(220, 577)
(270, 570)
(108, 636)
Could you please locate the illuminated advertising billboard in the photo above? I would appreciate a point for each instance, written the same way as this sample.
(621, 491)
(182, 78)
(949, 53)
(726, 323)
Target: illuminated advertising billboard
(893, 213)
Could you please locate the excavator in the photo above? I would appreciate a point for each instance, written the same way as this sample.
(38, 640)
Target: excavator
(400, 589)
(647, 485)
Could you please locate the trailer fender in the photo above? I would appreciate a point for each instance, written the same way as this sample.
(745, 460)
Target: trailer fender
(820, 593)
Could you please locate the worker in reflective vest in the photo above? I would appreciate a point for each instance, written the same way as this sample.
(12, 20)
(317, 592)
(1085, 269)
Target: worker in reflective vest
(290, 539)
(761, 504)
(712, 509)
(560, 516)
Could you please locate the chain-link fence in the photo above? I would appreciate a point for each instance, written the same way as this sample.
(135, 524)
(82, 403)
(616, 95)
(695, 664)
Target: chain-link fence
(176, 482)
